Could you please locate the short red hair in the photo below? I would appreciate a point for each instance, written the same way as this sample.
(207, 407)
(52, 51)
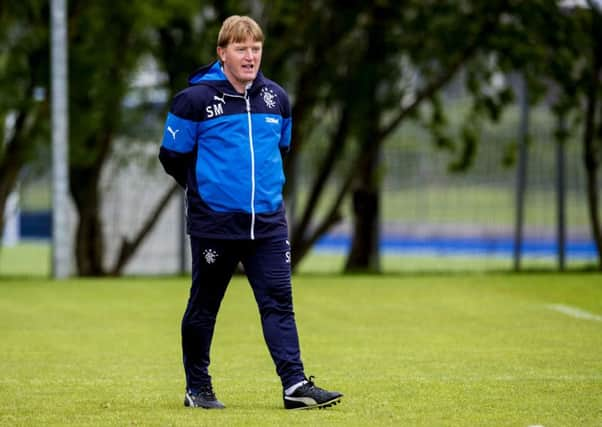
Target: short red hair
(237, 29)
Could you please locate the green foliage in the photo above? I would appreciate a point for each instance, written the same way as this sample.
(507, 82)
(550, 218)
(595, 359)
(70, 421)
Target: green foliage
(359, 70)
(24, 72)
(106, 43)
(420, 350)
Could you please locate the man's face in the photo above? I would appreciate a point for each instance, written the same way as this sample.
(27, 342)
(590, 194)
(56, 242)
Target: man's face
(241, 62)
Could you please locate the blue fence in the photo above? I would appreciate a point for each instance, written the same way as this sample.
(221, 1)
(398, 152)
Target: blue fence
(38, 225)
(477, 246)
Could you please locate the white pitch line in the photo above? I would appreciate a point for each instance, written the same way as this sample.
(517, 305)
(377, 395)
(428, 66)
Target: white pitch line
(575, 312)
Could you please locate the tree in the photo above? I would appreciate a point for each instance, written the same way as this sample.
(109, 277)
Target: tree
(24, 71)
(466, 30)
(348, 66)
(559, 50)
(106, 42)
(434, 41)
(355, 74)
(592, 136)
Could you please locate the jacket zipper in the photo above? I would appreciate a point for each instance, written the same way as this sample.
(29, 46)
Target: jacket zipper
(252, 149)
(252, 152)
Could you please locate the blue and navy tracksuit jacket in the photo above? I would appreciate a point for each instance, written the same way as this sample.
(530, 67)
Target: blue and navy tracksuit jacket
(225, 149)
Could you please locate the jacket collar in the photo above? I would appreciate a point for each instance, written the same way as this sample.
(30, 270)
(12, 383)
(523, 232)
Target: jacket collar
(213, 75)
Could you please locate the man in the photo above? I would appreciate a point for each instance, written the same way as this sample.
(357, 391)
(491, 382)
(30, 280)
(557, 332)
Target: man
(222, 142)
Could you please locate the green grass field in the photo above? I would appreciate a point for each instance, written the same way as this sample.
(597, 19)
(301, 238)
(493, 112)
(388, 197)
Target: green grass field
(409, 349)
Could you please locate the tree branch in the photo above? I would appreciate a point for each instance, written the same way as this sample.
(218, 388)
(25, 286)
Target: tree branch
(333, 216)
(129, 247)
(427, 92)
(326, 169)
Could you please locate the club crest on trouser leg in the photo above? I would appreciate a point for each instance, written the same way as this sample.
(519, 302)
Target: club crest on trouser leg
(210, 256)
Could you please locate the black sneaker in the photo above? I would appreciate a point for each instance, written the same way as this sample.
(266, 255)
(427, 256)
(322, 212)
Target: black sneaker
(309, 396)
(205, 398)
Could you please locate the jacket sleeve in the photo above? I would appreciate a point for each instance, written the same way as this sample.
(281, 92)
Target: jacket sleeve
(287, 125)
(179, 140)
(175, 164)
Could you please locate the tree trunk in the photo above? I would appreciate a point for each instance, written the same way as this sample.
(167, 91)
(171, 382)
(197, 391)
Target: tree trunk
(11, 164)
(89, 239)
(302, 247)
(365, 254)
(593, 201)
(9, 171)
(129, 246)
(15, 156)
(590, 149)
(302, 235)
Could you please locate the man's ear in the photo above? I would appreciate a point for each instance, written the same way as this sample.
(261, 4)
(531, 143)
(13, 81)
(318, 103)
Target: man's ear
(221, 53)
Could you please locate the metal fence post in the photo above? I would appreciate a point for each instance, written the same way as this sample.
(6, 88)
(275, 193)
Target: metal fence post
(61, 253)
(561, 193)
(521, 177)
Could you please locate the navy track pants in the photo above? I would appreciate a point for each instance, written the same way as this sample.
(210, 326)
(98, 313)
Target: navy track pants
(267, 265)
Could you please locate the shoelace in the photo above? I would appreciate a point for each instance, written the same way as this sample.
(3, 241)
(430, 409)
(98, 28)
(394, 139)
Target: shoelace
(310, 382)
(207, 392)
